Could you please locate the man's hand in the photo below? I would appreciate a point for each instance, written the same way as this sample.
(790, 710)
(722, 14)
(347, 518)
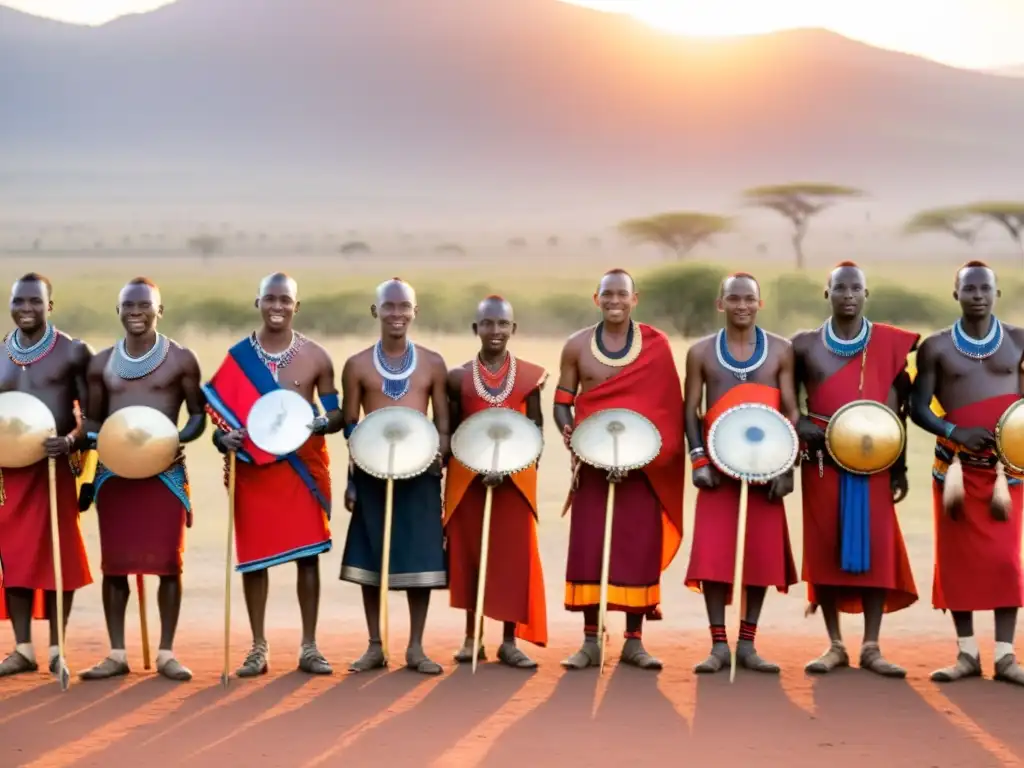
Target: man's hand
(975, 439)
(781, 486)
(435, 467)
(233, 440)
(706, 477)
(350, 496)
(809, 432)
(492, 479)
(898, 484)
(567, 435)
(319, 425)
(86, 496)
(58, 446)
(617, 475)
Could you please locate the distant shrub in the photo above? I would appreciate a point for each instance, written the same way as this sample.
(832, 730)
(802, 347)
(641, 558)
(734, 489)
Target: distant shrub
(355, 248)
(899, 306)
(797, 294)
(681, 298)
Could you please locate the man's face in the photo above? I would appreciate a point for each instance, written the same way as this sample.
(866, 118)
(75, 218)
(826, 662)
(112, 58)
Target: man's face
(139, 308)
(495, 326)
(396, 309)
(616, 297)
(977, 292)
(30, 305)
(741, 299)
(847, 291)
(277, 304)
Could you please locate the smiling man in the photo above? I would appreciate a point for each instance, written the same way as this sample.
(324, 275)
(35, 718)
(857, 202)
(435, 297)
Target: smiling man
(282, 503)
(740, 364)
(620, 363)
(850, 358)
(396, 372)
(50, 365)
(514, 592)
(142, 522)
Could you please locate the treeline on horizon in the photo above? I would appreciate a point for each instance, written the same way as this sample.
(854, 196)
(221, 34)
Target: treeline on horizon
(678, 298)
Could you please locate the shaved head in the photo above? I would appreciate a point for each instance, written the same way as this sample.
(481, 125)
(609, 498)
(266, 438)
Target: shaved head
(494, 307)
(616, 276)
(848, 271)
(282, 282)
(740, 283)
(396, 289)
(975, 269)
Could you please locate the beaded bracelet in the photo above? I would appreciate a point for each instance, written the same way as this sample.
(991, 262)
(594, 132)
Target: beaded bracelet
(949, 429)
(700, 463)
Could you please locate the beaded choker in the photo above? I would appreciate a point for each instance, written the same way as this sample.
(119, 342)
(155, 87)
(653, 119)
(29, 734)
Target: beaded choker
(277, 361)
(742, 369)
(628, 354)
(396, 378)
(26, 356)
(131, 368)
(977, 349)
(488, 385)
(845, 347)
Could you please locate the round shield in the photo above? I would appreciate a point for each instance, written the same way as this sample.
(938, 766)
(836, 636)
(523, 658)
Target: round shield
(137, 442)
(864, 437)
(753, 443)
(617, 438)
(497, 440)
(1010, 437)
(279, 422)
(25, 424)
(414, 437)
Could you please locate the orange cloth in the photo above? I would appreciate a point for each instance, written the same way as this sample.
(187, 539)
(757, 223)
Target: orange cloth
(514, 590)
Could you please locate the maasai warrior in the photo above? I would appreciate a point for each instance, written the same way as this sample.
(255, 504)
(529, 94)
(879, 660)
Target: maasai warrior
(142, 522)
(974, 370)
(740, 364)
(514, 591)
(396, 372)
(51, 366)
(282, 503)
(620, 363)
(850, 358)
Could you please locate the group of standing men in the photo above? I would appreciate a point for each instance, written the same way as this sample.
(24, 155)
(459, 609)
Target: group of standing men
(973, 369)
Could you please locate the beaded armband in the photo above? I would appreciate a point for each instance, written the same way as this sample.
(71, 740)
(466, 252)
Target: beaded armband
(564, 396)
(330, 402)
(698, 458)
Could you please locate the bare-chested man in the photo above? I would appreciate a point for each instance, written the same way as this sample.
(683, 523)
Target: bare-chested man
(142, 522)
(514, 591)
(282, 503)
(740, 364)
(396, 372)
(974, 370)
(48, 364)
(620, 363)
(850, 358)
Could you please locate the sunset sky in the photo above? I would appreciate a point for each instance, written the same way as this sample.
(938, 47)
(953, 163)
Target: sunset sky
(965, 33)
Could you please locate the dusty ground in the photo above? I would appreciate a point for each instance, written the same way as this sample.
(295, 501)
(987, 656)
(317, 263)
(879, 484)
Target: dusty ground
(501, 717)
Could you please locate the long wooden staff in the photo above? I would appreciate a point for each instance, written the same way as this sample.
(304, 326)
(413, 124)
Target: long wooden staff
(738, 592)
(225, 673)
(63, 675)
(606, 553)
(481, 579)
(385, 560)
(140, 587)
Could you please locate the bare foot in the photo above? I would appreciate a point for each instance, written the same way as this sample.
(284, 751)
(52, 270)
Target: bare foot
(718, 660)
(106, 669)
(509, 654)
(965, 666)
(634, 654)
(373, 658)
(313, 662)
(173, 669)
(465, 654)
(835, 657)
(589, 655)
(748, 658)
(255, 663)
(1009, 671)
(872, 660)
(416, 660)
(16, 664)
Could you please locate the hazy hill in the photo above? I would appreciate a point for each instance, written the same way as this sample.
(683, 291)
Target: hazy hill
(452, 102)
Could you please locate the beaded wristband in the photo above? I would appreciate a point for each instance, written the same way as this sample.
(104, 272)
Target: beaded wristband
(700, 463)
(949, 429)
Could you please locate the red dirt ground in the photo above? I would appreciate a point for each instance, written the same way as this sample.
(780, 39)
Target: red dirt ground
(502, 717)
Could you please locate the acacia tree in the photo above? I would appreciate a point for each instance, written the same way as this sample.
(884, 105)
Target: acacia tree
(1008, 215)
(679, 232)
(955, 221)
(799, 202)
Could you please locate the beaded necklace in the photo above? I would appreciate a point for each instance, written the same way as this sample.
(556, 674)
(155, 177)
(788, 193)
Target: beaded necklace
(628, 354)
(488, 384)
(131, 368)
(277, 361)
(977, 349)
(26, 356)
(741, 369)
(845, 347)
(396, 378)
